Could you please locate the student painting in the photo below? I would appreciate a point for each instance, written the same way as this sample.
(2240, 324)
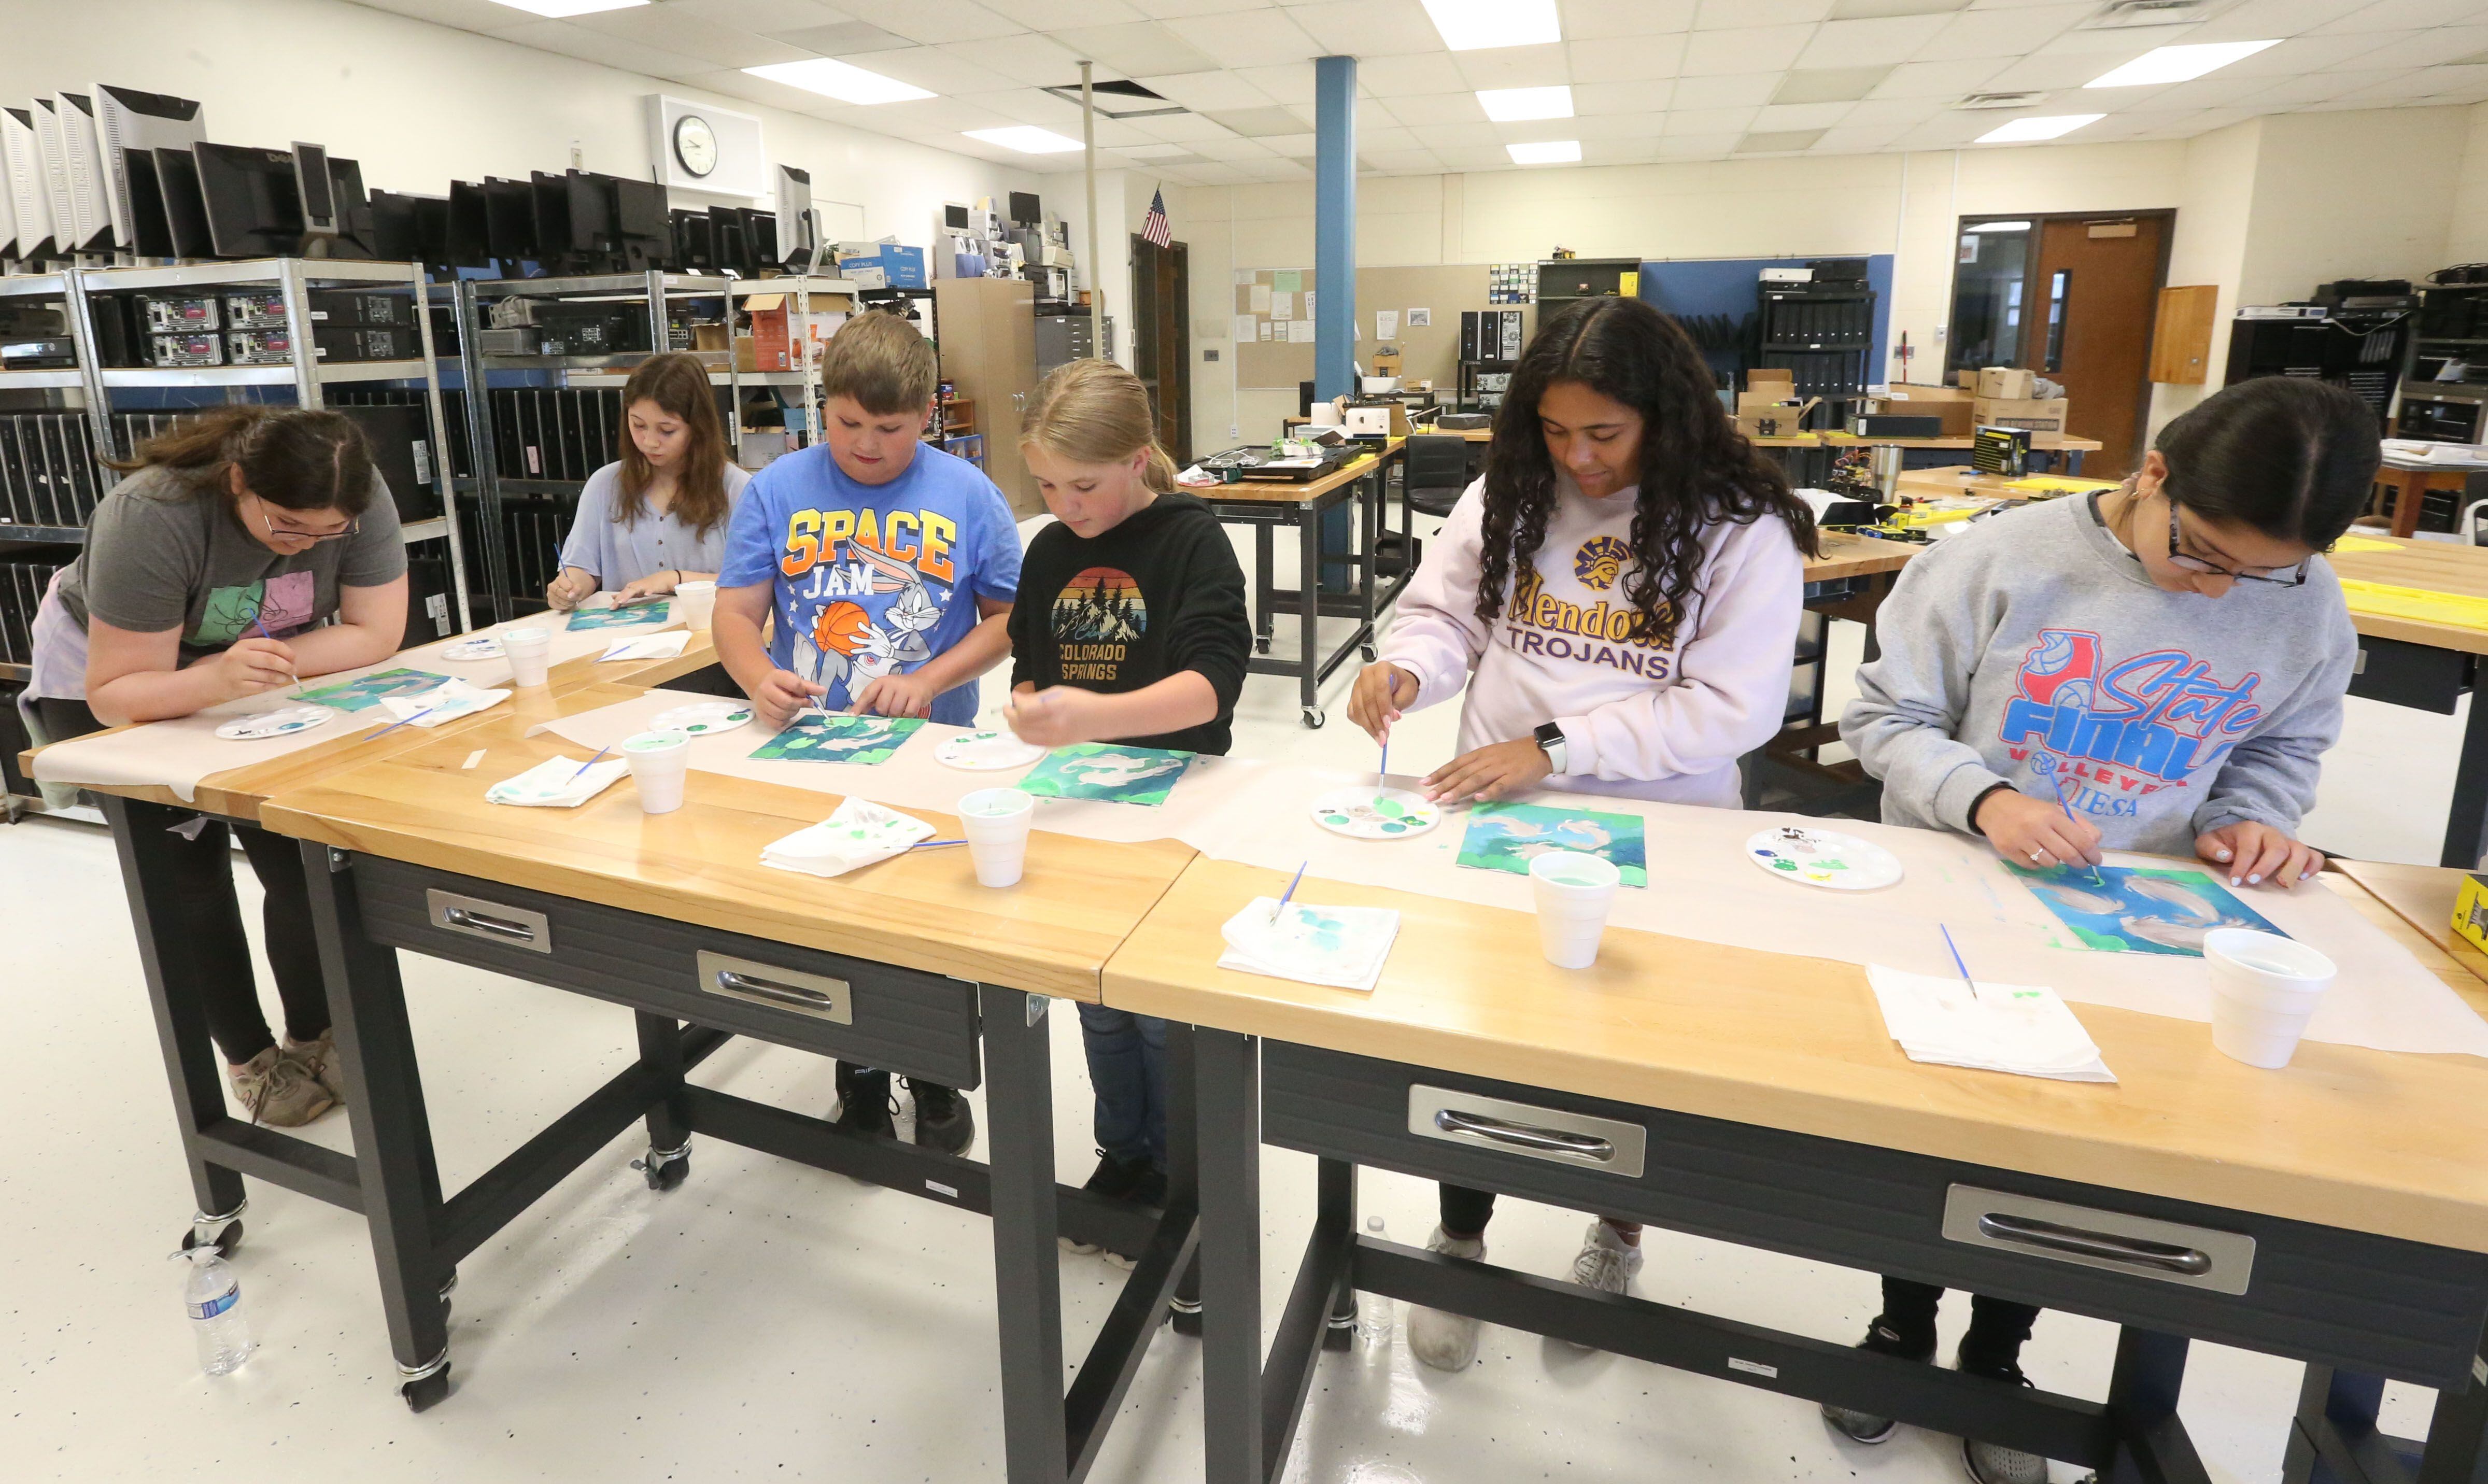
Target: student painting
(1134, 631)
(657, 516)
(1618, 596)
(2171, 654)
(246, 548)
(888, 569)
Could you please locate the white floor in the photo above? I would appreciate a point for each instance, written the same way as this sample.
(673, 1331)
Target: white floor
(767, 1321)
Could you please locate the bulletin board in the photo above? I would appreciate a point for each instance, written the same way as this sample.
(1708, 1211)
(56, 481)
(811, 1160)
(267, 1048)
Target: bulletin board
(1273, 300)
(1430, 351)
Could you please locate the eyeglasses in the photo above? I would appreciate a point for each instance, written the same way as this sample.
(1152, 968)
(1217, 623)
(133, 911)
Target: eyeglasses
(315, 538)
(2279, 577)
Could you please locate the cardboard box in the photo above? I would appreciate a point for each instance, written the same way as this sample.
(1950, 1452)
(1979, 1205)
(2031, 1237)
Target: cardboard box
(2005, 383)
(2033, 415)
(1763, 416)
(1967, 380)
(772, 338)
(1770, 381)
(1951, 404)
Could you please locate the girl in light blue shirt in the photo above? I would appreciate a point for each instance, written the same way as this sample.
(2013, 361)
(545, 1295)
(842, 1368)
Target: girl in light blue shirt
(657, 516)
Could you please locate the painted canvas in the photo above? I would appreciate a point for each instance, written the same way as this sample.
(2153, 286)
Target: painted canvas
(1103, 770)
(2134, 910)
(815, 737)
(368, 692)
(637, 615)
(1506, 837)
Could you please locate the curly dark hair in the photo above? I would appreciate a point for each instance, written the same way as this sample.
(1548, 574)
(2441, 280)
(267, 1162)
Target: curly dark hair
(1696, 468)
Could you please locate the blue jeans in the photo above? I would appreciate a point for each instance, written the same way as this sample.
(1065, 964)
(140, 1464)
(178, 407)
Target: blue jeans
(1127, 1069)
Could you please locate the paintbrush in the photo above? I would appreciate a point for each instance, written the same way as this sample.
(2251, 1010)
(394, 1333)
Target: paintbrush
(408, 721)
(1955, 949)
(2066, 806)
(261, 624)
(927, 845)
(1290, 892)
(592, 761)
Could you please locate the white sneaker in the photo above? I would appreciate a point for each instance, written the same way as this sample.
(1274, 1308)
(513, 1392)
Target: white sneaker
(1606, 1262)
(1447, 1341)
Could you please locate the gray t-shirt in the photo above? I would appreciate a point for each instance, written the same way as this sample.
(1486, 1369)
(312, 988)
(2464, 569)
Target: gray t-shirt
(163, 553)
(620, 554)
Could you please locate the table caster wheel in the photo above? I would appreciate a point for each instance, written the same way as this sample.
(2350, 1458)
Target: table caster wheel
(1183, 1321)
(1314, 718)
(222, 1234)
(423, 1392)
(1261, 645)
(1368, 651)
(664, 1168)
(1340, 1332)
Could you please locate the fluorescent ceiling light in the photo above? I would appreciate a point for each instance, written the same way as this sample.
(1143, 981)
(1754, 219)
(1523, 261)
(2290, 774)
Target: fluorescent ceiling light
(1473, 25)
(848, 84)
(1512, 106)
(1027, 139)
(2045, 126)
(2177, 64)
(1996, 226)
(557, 9)
(1546, 152)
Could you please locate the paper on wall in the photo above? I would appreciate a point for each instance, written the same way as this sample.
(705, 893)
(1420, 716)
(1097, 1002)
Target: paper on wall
(1386, 323)
(1300, 332)
(1309, 303)
(1243, 275)
(1283, 306)
(1420, 319)
(1260, 298)
(1265, 332)
(1287, 279)
(1244, 330)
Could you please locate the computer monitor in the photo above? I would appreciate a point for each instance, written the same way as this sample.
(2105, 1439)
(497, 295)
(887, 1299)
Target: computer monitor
(29, 201)
(466, 231)
(395, 237)
(132, 125)
(53, 151)
(8, 218)
(954, 216)
(694, 243)
(733, 249)
(510, 221)
(1026, 209)
(353, 208)
(550, 194)
(799, 231)
(141, 203)
(313, 191)
(252, 209)
(590, 198)
(760, 238)
(642, 231)
(82, 156)
(432, 231)
(186, 207)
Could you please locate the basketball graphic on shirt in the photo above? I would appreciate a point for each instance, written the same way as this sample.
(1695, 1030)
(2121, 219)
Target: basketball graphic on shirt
(1599, 561)
(1102, 604)
(840, 628)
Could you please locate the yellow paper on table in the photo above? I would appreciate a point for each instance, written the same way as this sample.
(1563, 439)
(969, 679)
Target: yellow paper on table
(2059, 484)
(2383, 600)
(2364, 544)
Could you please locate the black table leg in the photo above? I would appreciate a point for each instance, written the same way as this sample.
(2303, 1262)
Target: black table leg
(2151, 1444)
(1309, 525)
(668, 1161)
(2457, 1431)
(1264, 590)
(1230, 1071)
(401, 1180)
(2465, 822)
(1019, 1134)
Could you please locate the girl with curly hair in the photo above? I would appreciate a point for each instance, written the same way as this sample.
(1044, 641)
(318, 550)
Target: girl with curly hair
(1618, 594)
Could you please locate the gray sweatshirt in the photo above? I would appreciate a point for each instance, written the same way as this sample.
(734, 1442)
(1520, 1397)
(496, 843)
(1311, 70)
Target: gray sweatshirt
(2033, 645)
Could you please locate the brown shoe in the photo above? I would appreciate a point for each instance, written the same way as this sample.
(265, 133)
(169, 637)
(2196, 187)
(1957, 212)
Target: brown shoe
(278, 1091)
(318, 1057)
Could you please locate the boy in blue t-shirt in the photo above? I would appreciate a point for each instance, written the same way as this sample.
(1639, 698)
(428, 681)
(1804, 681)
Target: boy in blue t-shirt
(889, 568)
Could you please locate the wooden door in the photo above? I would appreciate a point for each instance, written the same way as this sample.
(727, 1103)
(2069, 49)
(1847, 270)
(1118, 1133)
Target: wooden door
(1162, 339)
(2093, 295)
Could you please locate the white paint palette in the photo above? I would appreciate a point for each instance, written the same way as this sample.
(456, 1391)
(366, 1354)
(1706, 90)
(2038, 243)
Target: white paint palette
(283, 723)
(1824, 858)
(484, 647)
(986, 752)
(702, 718)
(1376, 814)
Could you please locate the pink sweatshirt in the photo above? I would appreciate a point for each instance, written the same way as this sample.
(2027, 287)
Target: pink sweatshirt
(1649, 723)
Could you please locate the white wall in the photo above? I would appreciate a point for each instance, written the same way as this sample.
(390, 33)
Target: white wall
(2469, 235)
(419, 104)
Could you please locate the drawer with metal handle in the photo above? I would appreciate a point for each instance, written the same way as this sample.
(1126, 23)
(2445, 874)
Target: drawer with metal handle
(905, 1020)
(2289, 1288)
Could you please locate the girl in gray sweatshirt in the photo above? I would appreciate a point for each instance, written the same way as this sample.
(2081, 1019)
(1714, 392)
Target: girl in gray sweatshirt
(2172, 655)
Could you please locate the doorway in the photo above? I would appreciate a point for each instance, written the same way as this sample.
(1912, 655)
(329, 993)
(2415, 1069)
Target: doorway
(1162, 339)
(2072, 298)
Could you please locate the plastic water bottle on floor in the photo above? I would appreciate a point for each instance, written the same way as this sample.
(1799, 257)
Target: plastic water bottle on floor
(1373, 1310)
(212, 1294)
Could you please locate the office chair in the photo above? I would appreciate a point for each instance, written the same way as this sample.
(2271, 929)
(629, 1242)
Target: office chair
(2474, 499)
(1431, 482)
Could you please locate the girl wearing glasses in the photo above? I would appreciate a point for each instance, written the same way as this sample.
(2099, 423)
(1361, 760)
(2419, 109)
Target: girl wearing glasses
(249, 547)
(2170, 655)
(656, 516)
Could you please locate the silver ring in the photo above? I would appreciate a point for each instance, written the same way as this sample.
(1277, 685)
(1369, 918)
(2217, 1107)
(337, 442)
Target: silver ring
(2036, 856)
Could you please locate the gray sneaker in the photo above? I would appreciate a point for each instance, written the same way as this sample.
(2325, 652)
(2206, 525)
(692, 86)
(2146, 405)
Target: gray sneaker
(279, 1091)
(1441, 1339)
(318, 1057)
(1991, 1463)
(1865, 1426)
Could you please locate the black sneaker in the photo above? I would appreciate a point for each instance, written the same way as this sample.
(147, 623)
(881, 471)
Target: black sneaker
(1119, 1181)
(1866, 1426)
(1991, 1463)
(944, 1121)
(864, 1101)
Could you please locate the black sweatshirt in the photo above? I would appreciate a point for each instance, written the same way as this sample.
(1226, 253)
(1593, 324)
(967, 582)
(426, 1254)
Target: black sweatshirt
(1157, 596)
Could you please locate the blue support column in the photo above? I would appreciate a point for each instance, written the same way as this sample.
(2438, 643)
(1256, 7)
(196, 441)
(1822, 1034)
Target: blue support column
(1334, 268)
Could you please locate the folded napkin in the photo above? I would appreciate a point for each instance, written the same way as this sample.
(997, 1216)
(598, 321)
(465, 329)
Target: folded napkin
(446, 702)
(1342, 947)
(558, 784)
(2024, 1029)
(648, 647)
(858, 833)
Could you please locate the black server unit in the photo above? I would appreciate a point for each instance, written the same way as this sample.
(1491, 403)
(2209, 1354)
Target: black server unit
(401, 439)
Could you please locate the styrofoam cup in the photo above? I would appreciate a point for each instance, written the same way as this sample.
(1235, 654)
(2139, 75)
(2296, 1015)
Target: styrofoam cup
(699, 600)
(530, 651)
(1573, 891)
(996, 821)
(2265, 988)
(660, 764)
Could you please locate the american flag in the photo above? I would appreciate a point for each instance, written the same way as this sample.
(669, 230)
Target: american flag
(1154, 227)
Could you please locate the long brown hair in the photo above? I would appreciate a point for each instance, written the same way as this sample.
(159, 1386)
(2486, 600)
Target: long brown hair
(678, 384)
(1696, 468)
(293, 458)
(1094, 412)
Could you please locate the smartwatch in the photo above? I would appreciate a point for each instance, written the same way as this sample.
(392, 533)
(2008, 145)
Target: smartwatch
(1550, 741)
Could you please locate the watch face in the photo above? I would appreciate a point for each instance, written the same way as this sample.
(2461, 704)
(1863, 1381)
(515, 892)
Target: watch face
(695, 144)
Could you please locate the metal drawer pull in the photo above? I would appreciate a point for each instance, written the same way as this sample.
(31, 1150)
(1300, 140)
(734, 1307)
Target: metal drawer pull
(1548, 1140)
(2168, 1256)
(492, 920)
(816, 995)
(745, 983)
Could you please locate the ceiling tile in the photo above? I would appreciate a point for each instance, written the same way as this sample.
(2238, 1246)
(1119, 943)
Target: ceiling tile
(1170, 10)
(1880, 42)
(942, 116)
(844, 38)
(1779, 141)
(760, 90)
(1031, 61)
(1368, 28)
(1206, 90)
(1854, 140)
(1709, 121)
(1590, 20)
(1435, 108)
(461, 14)
(2254, 20)
(1626, 59)
(1179, 128)
(1939, 79)
(1750, 90)
(2046, 72)
(1515, 66)
(669, 30)
(1292, 146)
(1230, 148)
(1371, 114)
(2309, 53)
(1386, 136)
(1612, 125)
(1694, 146)
(2319, 87)
(1475, 158)
(1829, 84)
(1726, 14)
(1889, 112)
(2429, 85)
(932, 21)
(1594, 99)
(1406, 162)
(1999, 34)
(1259, 123)
(1247, 38)
(938, 70)
(1291, 83)
(1409, 75)
(1800, 116)
(2397, 15)
(1479, 136)
(1743, 49)
(765, 17)
(1138, 49)
(2425, 48)
(570, 41)
(1056, 14)
(1032, 105)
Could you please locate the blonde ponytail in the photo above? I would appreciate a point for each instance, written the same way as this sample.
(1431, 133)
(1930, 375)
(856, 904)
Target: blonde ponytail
(1094, 412)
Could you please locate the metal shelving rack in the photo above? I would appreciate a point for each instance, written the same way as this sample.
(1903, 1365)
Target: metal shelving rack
(56, 385)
